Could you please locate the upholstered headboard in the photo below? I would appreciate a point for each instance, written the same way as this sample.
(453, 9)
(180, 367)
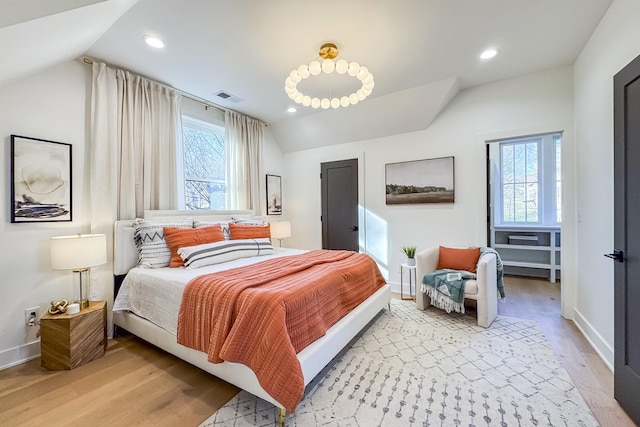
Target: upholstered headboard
(125, 254)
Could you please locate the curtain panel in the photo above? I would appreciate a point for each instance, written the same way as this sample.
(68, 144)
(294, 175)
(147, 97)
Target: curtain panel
(244, 140)
(135, 129)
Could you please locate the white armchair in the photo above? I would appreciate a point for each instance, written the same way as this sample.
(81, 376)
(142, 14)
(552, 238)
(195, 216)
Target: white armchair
(484, 289)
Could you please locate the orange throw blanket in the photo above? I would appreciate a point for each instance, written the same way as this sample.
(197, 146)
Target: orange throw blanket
(262, 315)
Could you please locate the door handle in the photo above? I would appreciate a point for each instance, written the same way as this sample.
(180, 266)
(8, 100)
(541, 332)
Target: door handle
(354, 228)
(617, 255)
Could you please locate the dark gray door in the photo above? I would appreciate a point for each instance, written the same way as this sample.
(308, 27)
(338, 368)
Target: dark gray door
(339, 182)
(627, 238)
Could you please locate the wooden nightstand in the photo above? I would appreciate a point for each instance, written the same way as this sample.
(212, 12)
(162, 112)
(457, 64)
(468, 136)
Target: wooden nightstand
(70, 340)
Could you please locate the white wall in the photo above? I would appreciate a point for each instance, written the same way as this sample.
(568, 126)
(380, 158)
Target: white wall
(49, 105)
(535, 103)
(614, 43)
(273, 165)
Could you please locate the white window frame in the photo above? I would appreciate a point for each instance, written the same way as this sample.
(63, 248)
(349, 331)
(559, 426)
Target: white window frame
(547, 206)
(193, 123)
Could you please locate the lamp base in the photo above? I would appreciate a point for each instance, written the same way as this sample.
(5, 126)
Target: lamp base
(83, 303)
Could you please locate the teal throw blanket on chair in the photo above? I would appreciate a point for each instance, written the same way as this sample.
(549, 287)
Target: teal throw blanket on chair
(446, 288)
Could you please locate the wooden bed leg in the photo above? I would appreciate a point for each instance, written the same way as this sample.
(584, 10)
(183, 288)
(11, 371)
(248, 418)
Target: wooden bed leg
(389, 305)
(281, 414)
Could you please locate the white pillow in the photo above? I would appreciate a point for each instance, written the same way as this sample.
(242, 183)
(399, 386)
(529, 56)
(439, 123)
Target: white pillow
(153, 251)
(224, 225)
(253, 221)
(227, 250)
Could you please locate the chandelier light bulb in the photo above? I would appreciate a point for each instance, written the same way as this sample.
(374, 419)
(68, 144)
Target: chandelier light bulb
(314, 68)
(354, 67)
(303, 71)
(328, 62)
(289, 83)
(363, 73)
(342, 66)
(328, 66)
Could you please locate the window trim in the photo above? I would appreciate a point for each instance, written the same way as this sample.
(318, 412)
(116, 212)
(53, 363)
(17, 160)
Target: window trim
(547, 179)
(201, 125)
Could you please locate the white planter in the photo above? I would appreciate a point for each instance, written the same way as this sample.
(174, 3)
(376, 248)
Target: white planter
(411, 261)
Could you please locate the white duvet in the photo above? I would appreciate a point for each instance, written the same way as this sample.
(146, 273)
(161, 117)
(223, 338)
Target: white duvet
(155, 294)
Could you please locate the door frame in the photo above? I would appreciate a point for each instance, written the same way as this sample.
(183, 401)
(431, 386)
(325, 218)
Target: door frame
(569, 226)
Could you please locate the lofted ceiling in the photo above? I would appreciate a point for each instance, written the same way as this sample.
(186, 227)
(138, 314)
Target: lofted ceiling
(421, 52)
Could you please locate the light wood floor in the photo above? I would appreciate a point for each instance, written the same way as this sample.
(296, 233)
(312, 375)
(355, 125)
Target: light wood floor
(135, 384)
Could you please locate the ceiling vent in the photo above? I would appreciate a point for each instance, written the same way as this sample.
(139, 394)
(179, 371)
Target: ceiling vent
(226, 96)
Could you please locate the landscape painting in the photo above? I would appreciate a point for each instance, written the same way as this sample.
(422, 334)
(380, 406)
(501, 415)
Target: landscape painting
(420, 181)
(40, 180)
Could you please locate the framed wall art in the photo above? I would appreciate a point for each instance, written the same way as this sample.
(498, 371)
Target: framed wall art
(40, 180)
(274, 195)
(420, 181)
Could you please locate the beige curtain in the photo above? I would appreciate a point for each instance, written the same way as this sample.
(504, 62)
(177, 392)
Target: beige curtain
(244, 139)
(135, 129)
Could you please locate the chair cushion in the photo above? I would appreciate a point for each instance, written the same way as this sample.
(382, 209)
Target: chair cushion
(470, 288)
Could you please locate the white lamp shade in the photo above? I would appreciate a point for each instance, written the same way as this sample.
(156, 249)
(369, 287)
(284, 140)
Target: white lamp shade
(280, 229)
(78, 252)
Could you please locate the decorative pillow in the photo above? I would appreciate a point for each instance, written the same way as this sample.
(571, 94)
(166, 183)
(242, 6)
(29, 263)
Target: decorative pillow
(153, 251)
(252, 221)
(181, 237)
(459, 259)
(226, 250)
(224, 225)
(243, 231)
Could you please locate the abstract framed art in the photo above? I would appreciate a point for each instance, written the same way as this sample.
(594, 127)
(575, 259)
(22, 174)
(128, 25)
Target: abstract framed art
(40, 180)
(274, 195)
(420, 181)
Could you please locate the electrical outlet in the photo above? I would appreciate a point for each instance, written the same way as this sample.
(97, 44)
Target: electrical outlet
(29, 313)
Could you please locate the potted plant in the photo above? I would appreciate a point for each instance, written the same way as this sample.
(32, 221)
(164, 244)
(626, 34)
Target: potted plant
(410, 252)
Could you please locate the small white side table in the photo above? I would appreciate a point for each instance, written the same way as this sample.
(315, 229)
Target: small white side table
(413, 281)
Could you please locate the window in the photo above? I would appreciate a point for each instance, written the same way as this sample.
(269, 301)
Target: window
(204, 165)
(527, 180)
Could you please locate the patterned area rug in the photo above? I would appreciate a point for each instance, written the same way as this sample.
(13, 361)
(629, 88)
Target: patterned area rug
(430, 368)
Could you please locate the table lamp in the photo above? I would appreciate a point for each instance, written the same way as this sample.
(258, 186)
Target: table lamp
(79, 253)
(280, 230)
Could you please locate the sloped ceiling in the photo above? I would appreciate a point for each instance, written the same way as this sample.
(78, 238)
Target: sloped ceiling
(36, 34)
(398, 112)
(420, 51)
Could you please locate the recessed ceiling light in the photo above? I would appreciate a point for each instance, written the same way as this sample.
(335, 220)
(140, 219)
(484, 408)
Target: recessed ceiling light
(154, 42)
(291, 110)
(488, 54)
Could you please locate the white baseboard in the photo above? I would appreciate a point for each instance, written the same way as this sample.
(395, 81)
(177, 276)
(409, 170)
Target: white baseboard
(600, 346)
(17, 355)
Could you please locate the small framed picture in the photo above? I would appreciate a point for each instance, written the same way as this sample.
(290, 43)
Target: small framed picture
(274, 195)
(40, 180)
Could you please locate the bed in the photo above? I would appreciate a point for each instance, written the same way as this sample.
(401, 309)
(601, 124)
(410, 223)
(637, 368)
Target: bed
(152, 316)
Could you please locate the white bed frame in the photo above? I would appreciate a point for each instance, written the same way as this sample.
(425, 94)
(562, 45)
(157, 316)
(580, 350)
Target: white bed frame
(312, 359)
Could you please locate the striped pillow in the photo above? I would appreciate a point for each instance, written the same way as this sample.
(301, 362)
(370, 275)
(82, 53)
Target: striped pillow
(226, 250)
(181, 237)
(223, 224)
(240, 231)
(148, 236)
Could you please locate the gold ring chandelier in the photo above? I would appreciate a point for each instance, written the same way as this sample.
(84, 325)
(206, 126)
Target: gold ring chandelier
(328, 52)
